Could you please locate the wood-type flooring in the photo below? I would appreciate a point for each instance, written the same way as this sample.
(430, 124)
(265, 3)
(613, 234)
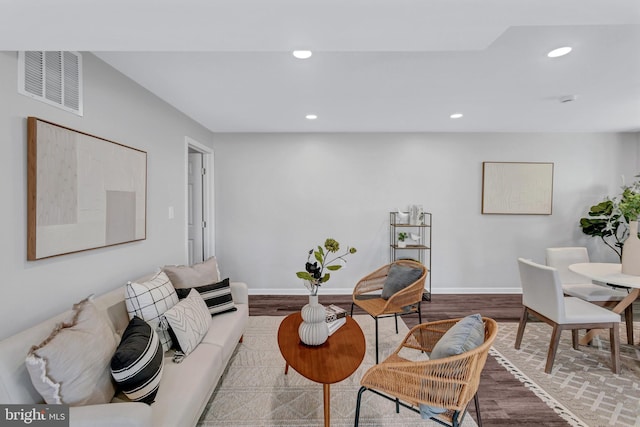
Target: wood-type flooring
(504, 401)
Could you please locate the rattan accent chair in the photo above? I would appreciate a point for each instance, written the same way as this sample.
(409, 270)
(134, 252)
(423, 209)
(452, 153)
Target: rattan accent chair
(450, 382)
(405, 301)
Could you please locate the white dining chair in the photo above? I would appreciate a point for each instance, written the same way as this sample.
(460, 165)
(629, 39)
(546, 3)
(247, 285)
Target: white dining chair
(578, 286)
(543, 298)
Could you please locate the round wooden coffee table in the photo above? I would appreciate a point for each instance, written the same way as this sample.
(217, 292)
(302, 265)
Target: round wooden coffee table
(328, 363)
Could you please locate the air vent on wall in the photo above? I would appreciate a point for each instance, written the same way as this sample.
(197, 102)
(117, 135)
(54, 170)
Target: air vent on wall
(52, 77)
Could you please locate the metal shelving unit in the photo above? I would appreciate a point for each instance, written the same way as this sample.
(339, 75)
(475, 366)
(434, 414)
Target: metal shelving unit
(419, 249)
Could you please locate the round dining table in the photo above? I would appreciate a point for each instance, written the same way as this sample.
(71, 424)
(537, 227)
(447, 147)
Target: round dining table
(610, 273)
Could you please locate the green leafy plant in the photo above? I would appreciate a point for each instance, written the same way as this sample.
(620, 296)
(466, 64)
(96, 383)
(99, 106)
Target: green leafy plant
(402, 236)
(314, 274)
(630, 205)
(609, 219)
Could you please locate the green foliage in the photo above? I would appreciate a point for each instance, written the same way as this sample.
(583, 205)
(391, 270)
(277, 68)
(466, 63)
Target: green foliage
(402, 236)
(609, 219)
(314, 274)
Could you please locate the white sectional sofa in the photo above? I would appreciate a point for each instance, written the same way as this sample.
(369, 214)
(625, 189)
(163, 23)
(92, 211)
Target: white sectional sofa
(185, 388)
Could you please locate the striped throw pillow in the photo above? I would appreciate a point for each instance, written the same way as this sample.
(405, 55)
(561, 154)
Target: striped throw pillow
(217, 296)
(137, 364)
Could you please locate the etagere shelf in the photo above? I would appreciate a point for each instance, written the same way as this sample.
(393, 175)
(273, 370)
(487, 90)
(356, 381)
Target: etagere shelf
(420, 237)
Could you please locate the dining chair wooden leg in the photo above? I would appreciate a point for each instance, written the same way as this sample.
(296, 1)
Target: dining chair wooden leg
(521, 325)
(614, 342)
(628, 320)
(575, 339)
(553, 348)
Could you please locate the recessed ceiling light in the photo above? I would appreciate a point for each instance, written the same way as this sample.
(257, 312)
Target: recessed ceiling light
(311, 117)
(561, 51)
(456, 115)
(302, 54)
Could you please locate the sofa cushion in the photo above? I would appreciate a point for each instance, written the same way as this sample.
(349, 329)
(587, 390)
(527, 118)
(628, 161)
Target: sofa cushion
(398, 278)
(137, 364)
(217, 296)
(149, 300)
(189, 320)
(71, 366)
(201, 274)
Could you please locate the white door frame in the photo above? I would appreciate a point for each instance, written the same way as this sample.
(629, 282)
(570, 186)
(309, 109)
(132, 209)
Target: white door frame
(207, 198)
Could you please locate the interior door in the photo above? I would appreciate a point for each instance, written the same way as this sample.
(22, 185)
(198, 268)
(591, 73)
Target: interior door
(195, 209)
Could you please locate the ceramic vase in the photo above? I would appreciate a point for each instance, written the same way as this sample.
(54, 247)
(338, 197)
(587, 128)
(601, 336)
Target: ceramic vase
(631, 251)
(313, 330)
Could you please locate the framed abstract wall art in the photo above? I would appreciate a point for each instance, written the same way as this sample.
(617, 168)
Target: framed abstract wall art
(517, 188)
(84, 192)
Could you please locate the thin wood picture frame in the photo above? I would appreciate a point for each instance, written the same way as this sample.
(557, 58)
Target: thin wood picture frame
(517, 188)
(83, 192)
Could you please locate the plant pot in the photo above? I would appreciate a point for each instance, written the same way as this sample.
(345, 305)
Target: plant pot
(631, 251)
(402, 244)
(313, 330)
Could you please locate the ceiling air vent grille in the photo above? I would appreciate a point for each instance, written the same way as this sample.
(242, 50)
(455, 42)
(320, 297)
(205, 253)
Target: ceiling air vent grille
(52, 77)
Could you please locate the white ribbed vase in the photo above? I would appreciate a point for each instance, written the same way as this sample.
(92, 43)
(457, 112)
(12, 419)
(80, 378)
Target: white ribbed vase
(313, 330)
(631, 251)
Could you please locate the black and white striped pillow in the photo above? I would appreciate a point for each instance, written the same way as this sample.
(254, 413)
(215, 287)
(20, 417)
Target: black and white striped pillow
(217, 296)
(137, 364)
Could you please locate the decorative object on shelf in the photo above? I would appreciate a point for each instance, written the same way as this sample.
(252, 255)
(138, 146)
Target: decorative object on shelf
(313, 329)
(630, 208)
(402, 217)
(416, 215)
(609, 220)
(401, 239)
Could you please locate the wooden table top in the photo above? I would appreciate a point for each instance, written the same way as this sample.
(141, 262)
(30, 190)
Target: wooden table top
(328, 363)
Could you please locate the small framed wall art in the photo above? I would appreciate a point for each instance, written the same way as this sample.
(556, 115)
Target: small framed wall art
(517, 188)
(84, 192)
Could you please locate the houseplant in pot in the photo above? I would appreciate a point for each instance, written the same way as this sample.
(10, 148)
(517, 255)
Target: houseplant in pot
(402, 236)
(313, 329)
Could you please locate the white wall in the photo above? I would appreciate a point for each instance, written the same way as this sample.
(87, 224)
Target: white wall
(117, 109)
(278, 195)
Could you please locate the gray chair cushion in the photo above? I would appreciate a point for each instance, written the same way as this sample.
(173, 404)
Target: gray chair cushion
(465, 335)
(398, 278)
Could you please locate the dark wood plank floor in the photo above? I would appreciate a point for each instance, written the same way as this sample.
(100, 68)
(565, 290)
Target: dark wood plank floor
(504, 401)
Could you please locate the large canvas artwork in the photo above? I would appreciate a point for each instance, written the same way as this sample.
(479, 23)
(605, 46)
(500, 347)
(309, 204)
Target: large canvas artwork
(84, 192)
(517, 188)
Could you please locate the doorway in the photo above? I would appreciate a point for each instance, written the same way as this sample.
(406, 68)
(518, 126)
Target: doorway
(199, 197)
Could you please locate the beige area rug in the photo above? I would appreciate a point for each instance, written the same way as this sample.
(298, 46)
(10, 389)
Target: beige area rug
(255, 392)
(581, 387)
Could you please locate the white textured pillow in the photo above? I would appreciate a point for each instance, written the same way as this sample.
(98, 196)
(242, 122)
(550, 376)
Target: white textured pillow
(189, 320)
(72, 365)
(149, 300)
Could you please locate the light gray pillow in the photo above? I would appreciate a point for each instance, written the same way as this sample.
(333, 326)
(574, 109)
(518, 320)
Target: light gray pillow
(465, 335)
(201, 274)
(398, 278)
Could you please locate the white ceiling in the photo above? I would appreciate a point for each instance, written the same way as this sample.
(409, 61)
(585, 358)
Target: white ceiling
(378, 65)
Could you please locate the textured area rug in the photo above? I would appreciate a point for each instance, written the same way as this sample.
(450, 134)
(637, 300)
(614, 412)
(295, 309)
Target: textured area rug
(581, 387)
(255, 392)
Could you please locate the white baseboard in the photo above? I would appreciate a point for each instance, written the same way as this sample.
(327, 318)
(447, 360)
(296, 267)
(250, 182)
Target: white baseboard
(334, 291)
